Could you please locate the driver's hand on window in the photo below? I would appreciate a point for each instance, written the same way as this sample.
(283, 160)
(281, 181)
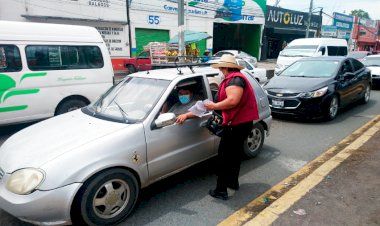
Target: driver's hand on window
(181, 118)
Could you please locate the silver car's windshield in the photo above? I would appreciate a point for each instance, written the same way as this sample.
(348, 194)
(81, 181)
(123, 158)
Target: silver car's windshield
(299, 51)
(311, 68)
(131, 100)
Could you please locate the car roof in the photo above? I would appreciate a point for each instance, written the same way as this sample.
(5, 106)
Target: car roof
(171, 74)
(324, 58)
(373, 56)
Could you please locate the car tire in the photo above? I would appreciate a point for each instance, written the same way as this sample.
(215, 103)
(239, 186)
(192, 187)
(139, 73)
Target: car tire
(70, 105)
(366, 95)
(331, 110)
(254, 143)
(106, 199)
(131, 69)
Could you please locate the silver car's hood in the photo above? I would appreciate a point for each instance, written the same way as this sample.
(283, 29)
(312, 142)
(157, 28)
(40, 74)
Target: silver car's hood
(46, 140)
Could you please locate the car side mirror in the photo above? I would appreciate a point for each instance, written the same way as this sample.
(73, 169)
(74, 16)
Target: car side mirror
(165, 119)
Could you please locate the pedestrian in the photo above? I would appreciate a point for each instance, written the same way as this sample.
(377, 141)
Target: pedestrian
(237, 103)
(206, 56)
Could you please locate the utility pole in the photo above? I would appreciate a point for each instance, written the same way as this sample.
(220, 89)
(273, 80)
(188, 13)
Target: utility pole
(319, 32)
(309, 19)
(129, 28)
(181, 34)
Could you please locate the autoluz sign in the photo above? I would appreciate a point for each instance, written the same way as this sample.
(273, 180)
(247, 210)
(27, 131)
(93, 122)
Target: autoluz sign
(284, 18)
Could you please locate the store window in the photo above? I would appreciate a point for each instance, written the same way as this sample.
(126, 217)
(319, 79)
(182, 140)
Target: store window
(55, 57)
(10, 60)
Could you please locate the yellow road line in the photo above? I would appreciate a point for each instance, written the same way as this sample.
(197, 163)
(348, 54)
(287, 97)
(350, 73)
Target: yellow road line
(248, 216)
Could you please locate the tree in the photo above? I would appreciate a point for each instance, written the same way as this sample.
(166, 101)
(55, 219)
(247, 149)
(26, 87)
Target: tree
(360, 13)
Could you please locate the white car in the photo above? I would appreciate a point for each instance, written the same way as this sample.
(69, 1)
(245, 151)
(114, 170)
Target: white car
(373, 63)
(238, 54)
(260, 74)
(87, 166)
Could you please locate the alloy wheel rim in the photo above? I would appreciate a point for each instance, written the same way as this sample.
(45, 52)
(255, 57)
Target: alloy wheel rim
(111, 199)
(254, 140)
(333, 107)
(367, 94)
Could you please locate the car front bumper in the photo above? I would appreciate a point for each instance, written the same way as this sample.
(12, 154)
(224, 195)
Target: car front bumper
(301, 107)
(50, 207)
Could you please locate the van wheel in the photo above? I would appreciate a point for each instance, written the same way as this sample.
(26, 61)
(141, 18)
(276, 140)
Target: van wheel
(70, 105)
(131, 69)
(254, 142)
(106, 199)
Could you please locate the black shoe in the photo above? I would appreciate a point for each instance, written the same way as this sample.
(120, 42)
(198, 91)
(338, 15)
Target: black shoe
(218, 194)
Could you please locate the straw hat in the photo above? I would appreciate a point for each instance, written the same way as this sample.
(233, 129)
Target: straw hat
(228, 61)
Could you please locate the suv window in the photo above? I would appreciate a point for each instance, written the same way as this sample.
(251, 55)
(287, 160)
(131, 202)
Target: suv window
(56, 57)
(357, 64)
(337, 50)
(10, 60)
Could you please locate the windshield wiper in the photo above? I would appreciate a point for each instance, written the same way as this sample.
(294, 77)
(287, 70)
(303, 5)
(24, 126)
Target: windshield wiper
(300, 76)
(373, 65)
(123, 113)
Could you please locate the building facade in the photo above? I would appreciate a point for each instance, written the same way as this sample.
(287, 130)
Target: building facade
(283, 26)
(365, 34)
(233, 24)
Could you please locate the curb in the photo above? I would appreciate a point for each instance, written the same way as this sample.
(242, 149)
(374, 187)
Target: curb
(266, 208)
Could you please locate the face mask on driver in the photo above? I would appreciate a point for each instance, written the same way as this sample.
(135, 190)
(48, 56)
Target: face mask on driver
(184, 99)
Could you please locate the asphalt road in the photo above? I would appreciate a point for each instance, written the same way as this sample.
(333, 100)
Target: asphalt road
(182, 199)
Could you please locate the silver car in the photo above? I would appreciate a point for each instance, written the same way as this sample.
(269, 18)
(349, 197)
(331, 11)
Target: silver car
(88, 166)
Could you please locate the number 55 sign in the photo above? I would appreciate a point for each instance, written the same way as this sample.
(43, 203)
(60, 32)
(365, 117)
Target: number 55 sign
(154, 19)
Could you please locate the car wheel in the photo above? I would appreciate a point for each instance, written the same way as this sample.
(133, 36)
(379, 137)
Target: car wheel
(106, 199)
(70, 105)
(254, 142)
(366, 95)
(332, 108)
(131, 69)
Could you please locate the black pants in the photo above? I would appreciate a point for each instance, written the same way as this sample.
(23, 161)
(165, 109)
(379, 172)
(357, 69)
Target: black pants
(230, 150)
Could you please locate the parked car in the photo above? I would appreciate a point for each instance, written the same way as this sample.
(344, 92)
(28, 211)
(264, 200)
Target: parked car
(373, 63)
(260, 74)
(88, 166)
(359, 55)
(238, 54)
(315, 87)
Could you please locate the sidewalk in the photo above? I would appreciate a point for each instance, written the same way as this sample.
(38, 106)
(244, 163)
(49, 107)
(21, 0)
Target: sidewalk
(341, 187)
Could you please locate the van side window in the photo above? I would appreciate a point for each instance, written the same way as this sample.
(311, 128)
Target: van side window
(55, 57)
(10, 60)
(337, 50)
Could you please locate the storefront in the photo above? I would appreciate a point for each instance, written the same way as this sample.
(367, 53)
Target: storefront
(283, 26)
(232, 24)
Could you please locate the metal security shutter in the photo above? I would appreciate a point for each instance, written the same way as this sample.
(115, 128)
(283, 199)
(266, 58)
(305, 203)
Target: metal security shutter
(144, 36)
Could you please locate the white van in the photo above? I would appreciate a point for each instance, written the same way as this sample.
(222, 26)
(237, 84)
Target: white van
(49, 69)
(308, 47)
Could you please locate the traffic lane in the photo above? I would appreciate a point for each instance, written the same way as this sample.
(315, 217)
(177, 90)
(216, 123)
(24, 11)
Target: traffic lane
(183, 200)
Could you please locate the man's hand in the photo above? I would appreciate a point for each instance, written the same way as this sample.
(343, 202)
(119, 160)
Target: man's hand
(181, 118)
(209, 105)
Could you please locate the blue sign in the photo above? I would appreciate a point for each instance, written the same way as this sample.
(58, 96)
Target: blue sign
(343, 22)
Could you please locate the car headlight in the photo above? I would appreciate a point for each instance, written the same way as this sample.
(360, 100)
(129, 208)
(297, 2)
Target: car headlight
(25, 181)
(316, 93)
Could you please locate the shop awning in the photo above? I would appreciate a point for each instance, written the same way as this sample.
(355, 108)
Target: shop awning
(191, 36)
